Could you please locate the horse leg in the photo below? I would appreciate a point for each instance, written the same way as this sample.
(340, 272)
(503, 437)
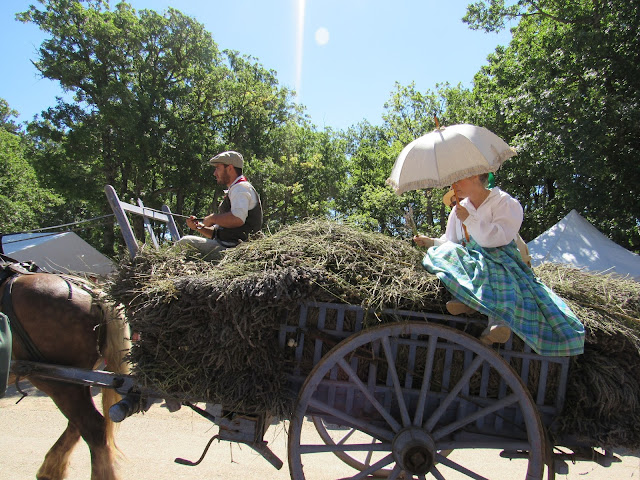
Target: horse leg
(56, 461)
(75, 402)
(62, 321)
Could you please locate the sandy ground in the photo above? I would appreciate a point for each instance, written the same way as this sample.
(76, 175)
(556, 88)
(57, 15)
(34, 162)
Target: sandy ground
(151, 441)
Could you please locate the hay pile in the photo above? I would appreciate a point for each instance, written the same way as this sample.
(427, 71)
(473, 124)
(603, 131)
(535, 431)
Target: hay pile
(603, 391)
(209, 332)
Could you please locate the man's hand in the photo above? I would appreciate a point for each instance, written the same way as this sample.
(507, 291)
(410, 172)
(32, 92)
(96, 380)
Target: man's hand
(423, 241)
(209, 220)
(194, 224)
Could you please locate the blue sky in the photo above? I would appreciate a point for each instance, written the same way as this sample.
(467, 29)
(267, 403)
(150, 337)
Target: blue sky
(344, 69)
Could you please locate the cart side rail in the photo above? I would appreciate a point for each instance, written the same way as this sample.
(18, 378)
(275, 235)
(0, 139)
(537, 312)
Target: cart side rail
(317, 327)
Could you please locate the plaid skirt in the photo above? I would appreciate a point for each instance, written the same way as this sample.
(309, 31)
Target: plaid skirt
(497, 283)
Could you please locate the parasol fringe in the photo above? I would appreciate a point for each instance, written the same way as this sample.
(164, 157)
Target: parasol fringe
(444, 182)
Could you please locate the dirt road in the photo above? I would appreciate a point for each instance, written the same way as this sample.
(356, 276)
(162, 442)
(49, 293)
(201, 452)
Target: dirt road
(151, 441)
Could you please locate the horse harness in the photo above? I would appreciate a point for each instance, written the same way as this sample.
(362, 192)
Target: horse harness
(10, 270)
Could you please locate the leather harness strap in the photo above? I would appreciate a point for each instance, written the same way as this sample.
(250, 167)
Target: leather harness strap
(15, 324)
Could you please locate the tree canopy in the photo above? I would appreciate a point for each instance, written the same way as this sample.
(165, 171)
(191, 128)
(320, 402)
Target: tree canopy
(566, 94)
(153, 97)
(24, 203)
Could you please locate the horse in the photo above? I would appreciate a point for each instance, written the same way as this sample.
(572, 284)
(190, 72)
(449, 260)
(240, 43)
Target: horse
(68, 322)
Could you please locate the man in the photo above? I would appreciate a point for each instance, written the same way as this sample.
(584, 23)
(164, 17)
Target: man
(240, 213)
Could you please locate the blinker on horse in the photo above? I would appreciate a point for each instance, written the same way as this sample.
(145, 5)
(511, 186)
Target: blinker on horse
(68, 323)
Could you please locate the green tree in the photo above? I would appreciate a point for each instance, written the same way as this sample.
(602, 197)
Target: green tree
(304, 178)
(372, 151)
(7, 116)
(153, 100)
(566, 94)
(23, 202)
(253, 115)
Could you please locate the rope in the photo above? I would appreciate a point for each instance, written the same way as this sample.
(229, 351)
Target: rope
(51, 228)
(166, 213)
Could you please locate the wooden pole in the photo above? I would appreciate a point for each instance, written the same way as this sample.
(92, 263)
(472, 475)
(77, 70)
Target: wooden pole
(464, 227)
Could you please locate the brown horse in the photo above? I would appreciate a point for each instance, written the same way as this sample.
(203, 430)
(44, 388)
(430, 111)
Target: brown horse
(71, 325)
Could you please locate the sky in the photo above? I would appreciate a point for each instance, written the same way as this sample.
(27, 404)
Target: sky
(342, 57)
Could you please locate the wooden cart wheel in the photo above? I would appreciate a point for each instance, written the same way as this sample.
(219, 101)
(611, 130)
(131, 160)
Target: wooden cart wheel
(361, 462)
(404, 393)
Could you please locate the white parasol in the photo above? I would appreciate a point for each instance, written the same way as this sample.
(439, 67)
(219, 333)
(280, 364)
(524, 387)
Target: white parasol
(446, 155)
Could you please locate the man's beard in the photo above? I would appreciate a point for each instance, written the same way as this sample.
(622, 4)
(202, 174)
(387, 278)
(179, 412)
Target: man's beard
(224, 178)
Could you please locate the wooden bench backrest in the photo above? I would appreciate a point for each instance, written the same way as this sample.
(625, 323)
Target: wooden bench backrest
(120, 210)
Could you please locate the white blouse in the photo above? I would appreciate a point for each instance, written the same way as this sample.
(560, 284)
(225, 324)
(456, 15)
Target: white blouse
(493, 224)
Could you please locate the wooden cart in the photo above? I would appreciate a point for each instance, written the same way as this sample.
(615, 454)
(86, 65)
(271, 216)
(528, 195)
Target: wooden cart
(394, 400)
(390, 401)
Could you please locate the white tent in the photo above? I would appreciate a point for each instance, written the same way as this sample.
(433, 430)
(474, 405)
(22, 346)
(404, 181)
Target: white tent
(57, 253)
(574, 241)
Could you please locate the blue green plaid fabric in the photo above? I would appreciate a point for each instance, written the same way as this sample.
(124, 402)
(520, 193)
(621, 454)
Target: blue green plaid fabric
(497, 283)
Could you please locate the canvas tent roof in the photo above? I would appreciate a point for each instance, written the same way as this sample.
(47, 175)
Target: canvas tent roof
(57, 253)
(574, 241)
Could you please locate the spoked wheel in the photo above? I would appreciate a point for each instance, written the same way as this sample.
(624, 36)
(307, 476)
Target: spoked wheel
(338, 435)
(402, 394)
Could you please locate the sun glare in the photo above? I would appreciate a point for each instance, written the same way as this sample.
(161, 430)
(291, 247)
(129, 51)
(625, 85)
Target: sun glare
(322, 36)
(299, 49)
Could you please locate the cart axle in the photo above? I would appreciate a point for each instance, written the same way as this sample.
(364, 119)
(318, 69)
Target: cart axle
(414, 450)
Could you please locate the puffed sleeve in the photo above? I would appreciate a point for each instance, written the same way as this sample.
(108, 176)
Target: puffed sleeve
(500, 226)
(452, 232)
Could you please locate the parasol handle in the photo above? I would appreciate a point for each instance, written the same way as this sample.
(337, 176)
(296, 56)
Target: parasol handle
(435, 118)
(464, 227)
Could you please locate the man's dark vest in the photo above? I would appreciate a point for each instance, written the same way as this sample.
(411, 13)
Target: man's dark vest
(252, 224)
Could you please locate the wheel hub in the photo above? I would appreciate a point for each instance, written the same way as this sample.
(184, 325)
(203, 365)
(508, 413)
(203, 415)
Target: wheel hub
(414, 450)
